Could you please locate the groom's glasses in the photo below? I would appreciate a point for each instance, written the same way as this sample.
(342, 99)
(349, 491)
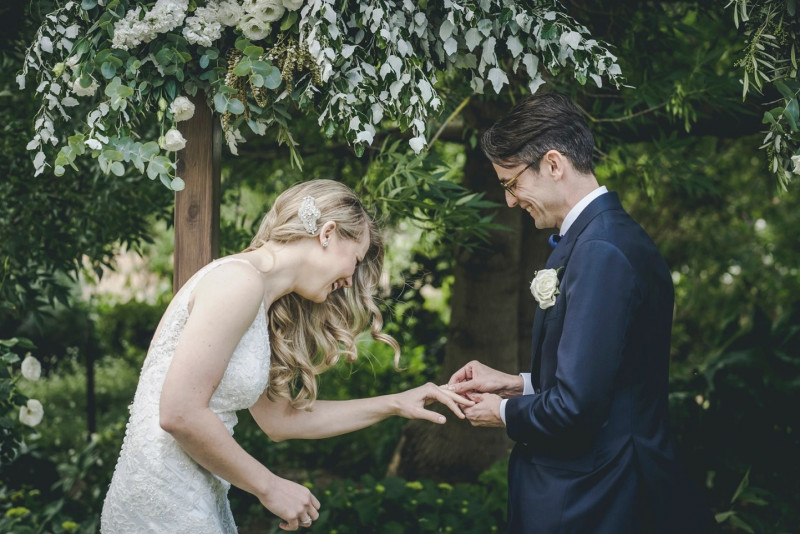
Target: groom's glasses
(511, 183)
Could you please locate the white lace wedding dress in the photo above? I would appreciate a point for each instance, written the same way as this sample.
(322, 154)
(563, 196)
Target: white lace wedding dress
(157, 487)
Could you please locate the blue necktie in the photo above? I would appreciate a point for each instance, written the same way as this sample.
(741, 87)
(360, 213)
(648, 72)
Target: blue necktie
(553, 240)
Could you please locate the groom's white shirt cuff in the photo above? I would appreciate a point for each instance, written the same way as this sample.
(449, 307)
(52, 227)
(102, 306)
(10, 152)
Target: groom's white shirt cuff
(526, 390)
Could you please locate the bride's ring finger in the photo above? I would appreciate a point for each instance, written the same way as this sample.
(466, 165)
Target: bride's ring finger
(306, 521)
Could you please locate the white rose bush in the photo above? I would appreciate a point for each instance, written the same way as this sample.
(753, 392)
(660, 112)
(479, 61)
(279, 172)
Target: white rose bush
(16, 409)
(105, 68)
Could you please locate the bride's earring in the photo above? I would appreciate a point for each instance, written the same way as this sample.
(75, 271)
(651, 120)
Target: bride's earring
(325, 244)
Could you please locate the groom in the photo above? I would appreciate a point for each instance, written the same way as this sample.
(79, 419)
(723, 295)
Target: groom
(593, 451)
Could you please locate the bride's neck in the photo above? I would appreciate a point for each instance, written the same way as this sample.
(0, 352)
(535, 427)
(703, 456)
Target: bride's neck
(280, 265)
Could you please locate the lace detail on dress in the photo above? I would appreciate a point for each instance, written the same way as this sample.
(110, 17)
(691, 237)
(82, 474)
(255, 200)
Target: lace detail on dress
(156, 486)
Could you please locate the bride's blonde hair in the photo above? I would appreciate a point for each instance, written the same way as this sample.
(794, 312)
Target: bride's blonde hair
(307, 337)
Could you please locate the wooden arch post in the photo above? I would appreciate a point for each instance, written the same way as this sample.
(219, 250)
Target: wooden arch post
(197, 206)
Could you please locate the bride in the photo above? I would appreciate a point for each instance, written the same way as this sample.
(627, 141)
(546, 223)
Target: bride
(252, 330)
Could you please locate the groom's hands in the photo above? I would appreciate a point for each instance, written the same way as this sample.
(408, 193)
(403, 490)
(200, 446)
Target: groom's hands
(476, 377)
(486, 411)
(487, 387)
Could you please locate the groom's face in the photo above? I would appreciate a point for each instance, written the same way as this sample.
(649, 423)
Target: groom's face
(526, 187)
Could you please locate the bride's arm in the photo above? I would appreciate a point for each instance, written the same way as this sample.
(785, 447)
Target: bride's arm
(225, 303)
(280, 421)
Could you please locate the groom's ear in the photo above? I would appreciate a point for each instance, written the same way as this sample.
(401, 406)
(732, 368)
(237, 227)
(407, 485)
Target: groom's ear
(553, 164)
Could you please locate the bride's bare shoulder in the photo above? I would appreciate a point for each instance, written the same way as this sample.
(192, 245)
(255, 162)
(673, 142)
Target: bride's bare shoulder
(232, 283)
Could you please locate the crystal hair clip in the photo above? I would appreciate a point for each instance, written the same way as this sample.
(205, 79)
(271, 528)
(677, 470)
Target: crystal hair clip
(309, 213)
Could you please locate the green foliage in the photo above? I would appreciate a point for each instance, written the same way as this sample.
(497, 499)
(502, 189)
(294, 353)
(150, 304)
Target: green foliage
(738, 416)
(52, 229)
(680, 79)
(689, 67)
(752, 389)
(423, 191)
(769, 62)
(57, 493)
(393, 505)
(745, 495)
(124, 329)
(421, 195)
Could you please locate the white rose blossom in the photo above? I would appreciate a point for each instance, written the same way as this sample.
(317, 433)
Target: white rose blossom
(266, 10)
(31, 414)
(229, 13)
(174, 141)
(544, 287)
(31, 368)
(182, 109)
(254, 28)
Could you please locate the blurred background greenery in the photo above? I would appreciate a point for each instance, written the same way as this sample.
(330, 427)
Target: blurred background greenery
(86, 264)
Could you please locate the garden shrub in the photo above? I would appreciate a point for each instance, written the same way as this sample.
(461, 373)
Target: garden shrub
(392, 505)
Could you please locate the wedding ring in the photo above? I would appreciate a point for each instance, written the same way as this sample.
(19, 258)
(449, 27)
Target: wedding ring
(306, 521)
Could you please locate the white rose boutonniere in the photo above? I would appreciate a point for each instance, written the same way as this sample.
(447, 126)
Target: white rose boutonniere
(544, 287)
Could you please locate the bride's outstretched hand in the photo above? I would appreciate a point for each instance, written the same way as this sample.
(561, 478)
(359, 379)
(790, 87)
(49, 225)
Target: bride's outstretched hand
(411, 404)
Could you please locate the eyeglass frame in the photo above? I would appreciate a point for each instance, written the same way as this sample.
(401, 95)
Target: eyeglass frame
(511, 182)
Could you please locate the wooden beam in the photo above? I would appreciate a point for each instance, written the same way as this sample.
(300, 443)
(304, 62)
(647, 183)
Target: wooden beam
(197, 206)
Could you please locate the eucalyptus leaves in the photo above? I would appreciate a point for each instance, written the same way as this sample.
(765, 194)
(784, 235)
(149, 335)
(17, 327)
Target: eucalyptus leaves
(109, 72)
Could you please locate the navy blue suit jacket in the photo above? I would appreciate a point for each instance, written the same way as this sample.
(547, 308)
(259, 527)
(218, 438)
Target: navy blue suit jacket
(593, 449)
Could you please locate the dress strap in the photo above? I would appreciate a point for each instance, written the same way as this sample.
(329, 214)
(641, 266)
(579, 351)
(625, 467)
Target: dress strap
(228, 258)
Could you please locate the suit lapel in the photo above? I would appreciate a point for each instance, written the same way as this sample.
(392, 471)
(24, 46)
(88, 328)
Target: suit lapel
(559, 258)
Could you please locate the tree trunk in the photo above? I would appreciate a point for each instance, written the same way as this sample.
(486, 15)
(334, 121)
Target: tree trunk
(490, 321)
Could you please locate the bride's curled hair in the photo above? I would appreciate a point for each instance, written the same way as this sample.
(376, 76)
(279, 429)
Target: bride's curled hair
(307, 337)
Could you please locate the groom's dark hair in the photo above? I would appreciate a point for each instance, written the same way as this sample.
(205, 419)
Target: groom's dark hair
(540, 123)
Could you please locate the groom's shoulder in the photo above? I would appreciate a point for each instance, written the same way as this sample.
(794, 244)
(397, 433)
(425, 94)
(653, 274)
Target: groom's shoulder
(620, 230)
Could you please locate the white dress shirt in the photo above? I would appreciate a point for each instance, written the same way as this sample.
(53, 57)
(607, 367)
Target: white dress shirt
(568, 220)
